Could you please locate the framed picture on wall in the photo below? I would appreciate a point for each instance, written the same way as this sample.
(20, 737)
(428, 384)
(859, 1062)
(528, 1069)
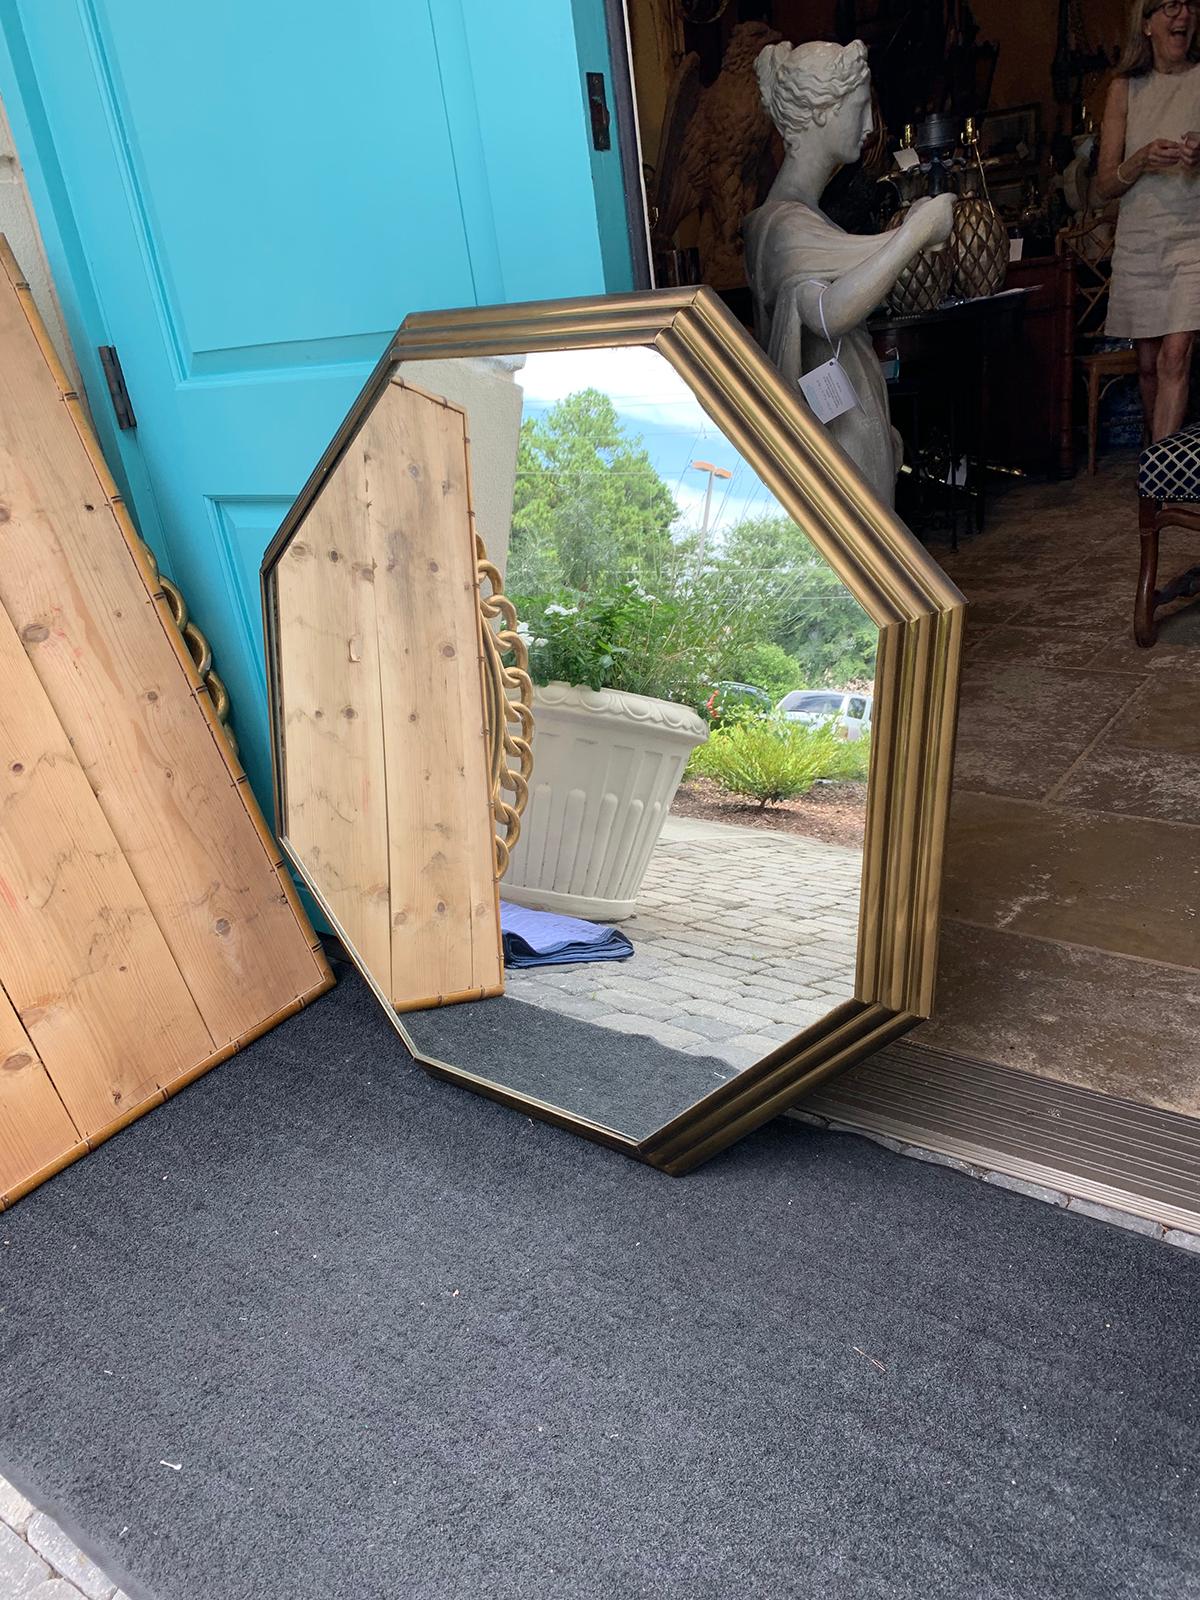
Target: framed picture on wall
(1011, 134)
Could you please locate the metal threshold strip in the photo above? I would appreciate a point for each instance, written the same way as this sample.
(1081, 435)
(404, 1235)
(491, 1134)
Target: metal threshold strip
(1135, 1158)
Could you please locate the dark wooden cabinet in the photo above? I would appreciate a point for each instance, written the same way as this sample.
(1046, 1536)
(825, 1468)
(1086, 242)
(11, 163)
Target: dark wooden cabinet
(1028, 404)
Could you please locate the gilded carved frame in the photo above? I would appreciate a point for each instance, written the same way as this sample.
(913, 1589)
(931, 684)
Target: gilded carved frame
(920, 615)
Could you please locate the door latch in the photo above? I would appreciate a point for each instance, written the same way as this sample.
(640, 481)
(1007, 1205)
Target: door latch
(601, 116)
(118, 393)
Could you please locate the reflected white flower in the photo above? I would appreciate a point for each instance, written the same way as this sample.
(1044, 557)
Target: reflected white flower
(561, 611)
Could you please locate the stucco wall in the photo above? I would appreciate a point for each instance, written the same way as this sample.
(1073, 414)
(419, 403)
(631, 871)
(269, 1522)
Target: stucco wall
(486, 391)
(18, 224)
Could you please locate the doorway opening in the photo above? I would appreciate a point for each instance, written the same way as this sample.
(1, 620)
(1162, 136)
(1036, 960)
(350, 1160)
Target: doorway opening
(1069, 976)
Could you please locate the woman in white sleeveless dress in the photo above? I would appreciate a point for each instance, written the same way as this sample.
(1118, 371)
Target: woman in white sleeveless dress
(1150, 160)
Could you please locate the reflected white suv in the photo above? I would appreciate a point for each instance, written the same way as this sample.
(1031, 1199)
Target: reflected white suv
(850, 713)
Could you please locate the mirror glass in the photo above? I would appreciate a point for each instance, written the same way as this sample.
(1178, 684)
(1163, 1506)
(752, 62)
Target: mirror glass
(683, 898)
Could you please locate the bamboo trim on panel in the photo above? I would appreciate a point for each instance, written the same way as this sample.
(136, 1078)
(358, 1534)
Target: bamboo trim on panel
(151, 581)
(161, 1095)
(483, 992)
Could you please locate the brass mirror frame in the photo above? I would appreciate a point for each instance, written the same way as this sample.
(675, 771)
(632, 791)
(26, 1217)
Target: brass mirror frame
(920, 615)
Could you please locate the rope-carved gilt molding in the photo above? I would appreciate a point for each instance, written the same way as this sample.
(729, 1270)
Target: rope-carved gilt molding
(508, 692)
(198, 648)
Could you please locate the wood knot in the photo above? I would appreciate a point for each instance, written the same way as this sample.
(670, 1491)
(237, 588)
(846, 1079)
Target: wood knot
(440, 907)
(18, 767)
(433, 567)
(152, 695)
(335, 555)
(414, 470)
(5, 513)
(221, 926)
(448, 651)
(349, 713)
(35, 632)
(17, 1062)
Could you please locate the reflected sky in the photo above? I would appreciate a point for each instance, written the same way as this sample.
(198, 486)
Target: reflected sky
(652, 400)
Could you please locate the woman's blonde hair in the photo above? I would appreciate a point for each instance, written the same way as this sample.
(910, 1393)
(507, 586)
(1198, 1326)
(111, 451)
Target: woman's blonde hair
(1137, 57)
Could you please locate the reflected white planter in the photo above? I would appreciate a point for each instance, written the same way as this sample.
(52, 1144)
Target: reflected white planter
(606, 766)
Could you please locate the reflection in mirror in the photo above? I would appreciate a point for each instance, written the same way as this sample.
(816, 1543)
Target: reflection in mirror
(703, 716)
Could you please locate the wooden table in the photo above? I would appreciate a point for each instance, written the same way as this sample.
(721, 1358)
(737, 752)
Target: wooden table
(943, 405)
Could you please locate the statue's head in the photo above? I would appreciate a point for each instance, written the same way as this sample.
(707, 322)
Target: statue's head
(810, 87)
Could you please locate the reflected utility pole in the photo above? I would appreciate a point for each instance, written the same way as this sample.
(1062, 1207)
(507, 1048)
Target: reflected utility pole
(713, 472)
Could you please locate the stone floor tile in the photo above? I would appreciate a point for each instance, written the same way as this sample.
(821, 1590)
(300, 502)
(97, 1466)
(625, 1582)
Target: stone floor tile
(566, 1005)
(20, 1569)
(56, 1589)
(65, 1556)
(1013, 736)
(15, 1510)
(713, 1028)
(1133, 783)
(663, 1032)
(1094, 1018)
(1083, 878)
(739, 1057)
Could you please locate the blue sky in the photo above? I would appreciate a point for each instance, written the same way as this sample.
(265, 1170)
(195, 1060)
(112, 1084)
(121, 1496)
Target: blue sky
(653, 401)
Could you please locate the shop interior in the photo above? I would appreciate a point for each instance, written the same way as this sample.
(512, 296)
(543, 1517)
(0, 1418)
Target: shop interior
(1069, 949)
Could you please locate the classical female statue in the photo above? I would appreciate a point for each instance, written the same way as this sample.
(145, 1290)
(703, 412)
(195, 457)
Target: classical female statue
(814, 285)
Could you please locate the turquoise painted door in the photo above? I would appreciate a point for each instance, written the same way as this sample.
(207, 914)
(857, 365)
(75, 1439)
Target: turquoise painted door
(245, 197)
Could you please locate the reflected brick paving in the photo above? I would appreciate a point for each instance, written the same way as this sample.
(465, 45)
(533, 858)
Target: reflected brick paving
(742, 938)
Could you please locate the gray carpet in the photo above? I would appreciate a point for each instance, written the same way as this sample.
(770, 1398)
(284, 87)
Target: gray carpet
(624, 1081)
(404, 1344)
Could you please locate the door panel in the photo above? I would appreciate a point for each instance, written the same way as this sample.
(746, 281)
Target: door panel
(247, 198)
(244, 253)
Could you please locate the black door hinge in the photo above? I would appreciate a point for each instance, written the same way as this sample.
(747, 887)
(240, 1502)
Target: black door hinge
(598, 106)
(119, 394)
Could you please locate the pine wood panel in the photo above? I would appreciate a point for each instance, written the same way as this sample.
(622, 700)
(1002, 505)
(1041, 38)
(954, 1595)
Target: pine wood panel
(35, 1128)
(404, 480)
(100, 647)
(444, 901)
(336, 793)
(85, 965)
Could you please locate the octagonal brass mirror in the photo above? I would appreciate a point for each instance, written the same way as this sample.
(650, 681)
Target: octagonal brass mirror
(703, 580)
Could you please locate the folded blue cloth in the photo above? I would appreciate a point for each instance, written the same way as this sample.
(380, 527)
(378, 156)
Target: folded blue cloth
(544, 939)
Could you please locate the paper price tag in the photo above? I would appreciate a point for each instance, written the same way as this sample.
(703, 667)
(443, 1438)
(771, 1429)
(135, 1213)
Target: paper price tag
(828, 391)
(906, 160)
(1016, 249)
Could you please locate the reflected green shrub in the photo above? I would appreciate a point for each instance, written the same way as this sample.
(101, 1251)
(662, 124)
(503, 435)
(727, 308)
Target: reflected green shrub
(769, 759)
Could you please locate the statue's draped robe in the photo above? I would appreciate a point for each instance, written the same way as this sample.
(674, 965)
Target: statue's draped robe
(788, 245)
